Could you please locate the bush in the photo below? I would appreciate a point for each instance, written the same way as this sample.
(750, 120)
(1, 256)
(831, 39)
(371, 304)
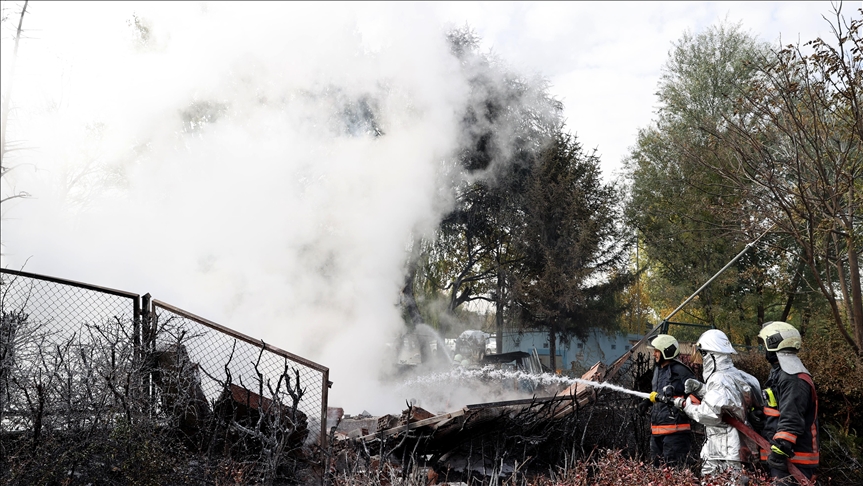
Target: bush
(838, 376)
(613, 468)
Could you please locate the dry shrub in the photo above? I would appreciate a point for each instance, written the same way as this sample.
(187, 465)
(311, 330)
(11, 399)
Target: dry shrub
(838, 376)
(613, 468)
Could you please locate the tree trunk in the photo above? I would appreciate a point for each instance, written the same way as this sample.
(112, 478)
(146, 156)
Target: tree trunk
(831, 299)
(409, 301)
(498, 317)
(4, 117)
(552, 349)
(856, 294)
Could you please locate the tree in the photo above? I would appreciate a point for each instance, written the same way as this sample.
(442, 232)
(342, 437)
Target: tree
(6, 108)
(571, 242)
(507, 119)
(691, 221)
(797, 143)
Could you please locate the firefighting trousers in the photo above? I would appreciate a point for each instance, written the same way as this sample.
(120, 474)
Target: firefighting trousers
(671, 448)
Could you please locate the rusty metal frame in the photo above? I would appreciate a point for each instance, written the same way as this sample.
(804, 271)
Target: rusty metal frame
(269, 347)
(72, 283)
(142, 310)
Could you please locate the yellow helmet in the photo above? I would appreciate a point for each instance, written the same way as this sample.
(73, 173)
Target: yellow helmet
(778, 335)
(667, 345)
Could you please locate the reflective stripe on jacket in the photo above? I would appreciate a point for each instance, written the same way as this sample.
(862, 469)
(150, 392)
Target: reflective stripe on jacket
(669, 429)
(795, 416)
(666, 419)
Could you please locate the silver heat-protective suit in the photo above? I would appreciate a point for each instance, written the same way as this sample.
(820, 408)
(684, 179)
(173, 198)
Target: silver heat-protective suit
(726, 390)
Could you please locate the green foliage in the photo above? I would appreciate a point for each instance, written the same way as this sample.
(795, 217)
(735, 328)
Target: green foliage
(841, 455)
(688, 218)
(740, 147)
(533, 232)
(571, 244)
(797, 139)
(508, 118)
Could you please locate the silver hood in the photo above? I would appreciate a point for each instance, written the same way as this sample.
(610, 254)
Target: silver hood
(790, 363)
(727, 390)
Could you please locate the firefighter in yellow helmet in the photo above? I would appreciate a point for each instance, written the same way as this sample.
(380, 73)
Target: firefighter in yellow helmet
(670, 432)
(791, 405)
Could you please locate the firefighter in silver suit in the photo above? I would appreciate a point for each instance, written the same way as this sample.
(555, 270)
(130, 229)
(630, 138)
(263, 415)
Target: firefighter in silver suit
(726, 390)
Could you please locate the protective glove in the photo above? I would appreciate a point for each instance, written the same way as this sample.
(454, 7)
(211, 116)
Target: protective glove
(756, 419)
(693, 387)
(680, 402)
(780, 452)
(644, 407)
(668, 391)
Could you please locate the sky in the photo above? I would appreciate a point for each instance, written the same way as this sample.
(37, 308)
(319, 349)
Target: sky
(276, 218)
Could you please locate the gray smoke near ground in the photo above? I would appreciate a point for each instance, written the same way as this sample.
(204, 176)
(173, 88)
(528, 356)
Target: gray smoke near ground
(265, 166)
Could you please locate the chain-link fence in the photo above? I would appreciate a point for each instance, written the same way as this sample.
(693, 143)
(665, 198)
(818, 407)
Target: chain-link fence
(227, 361)
(78, 360)
(65, 347)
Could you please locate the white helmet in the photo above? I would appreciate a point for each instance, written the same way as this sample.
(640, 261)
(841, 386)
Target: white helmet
(778, 335)
(715, 341)
(667, 345)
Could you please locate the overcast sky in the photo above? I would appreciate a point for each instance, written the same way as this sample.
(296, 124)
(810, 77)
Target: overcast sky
(275, 220)
(604, 58)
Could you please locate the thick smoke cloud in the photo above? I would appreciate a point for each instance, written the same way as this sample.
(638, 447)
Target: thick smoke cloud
(263, 165)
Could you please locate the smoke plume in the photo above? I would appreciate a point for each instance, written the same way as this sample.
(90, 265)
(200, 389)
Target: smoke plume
(266, 166)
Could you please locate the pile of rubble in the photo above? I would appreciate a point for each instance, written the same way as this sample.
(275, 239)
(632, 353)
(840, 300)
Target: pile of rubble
(448, 441)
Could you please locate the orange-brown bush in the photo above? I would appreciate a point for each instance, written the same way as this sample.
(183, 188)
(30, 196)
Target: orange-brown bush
(613, 468)
(838, 376)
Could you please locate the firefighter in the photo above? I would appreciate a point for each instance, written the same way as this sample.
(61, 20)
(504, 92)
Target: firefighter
(725, 390)
(671, 435)
(791, 405)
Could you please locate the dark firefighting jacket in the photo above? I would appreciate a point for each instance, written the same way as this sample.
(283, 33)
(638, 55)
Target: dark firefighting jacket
(791, 413)
(665, 418)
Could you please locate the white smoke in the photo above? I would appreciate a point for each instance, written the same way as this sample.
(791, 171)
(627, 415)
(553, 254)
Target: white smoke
(218, 156)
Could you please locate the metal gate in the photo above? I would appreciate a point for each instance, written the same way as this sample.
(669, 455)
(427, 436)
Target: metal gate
(69, 351)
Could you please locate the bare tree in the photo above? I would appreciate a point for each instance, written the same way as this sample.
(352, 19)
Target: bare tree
(797, 145)
(4, 115)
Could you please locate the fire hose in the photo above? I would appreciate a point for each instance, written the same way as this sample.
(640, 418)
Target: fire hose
(764, 444)
(748, 431)
(744, 429)
(732, 421)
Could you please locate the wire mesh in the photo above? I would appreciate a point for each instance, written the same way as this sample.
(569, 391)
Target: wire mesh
(74, 357)
(228, 360)
(66, 351)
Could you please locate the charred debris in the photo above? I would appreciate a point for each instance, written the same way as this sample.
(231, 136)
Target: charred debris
(497, 439)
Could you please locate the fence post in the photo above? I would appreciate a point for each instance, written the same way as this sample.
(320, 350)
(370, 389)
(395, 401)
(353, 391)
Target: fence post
(324, 403)
(147, 331)
(136, 329)
(147, 348)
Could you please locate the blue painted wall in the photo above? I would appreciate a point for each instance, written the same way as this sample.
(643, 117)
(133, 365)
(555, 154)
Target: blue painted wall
(598, 346)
